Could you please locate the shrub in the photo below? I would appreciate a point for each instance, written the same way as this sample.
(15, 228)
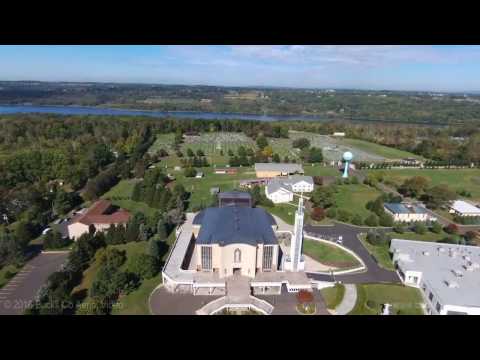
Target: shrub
(9, 274)
(304, 297)
(372, 304)
(399, 228)
(144, 266)
(318, 214)
(354, 180)
(190, 172)
(357, 220)
(332, 213)
(436, 228)
(344, 215)
(451, 229)
(420, 228)
(386, 220)
(372, 220)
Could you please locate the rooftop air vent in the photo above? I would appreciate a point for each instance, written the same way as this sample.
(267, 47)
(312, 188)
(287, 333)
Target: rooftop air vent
(452, 284)
(426, 253)
(457, 273)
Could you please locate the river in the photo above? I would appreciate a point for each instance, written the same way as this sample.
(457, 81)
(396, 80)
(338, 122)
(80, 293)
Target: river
(85, 110)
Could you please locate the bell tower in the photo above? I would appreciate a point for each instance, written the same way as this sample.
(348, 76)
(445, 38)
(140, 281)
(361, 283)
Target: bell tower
(295, 260)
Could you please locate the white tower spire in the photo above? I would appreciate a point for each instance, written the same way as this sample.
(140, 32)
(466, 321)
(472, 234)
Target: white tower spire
(296, 259)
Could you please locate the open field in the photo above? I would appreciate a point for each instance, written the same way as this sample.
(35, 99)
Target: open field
(370, 297)
(120, 196)
(387, 152)
(333, 148)
(456, 179)
(328, 254)
(354, 198)
(333, 296)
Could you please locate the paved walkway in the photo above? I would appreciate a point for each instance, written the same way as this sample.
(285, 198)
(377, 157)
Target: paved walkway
(164, 303)
(349, 300)
(20, 291)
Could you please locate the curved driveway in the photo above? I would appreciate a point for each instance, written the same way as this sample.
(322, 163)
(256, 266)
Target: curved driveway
(373, 274)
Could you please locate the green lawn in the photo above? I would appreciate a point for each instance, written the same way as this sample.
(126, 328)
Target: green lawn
(456, 179)
(328, 254)
(354, 198)
(370, 297)
(428, 236)
(120, 196)
(318, 170)
(380, 150)
(380, 253)
(200, 188)
(285, 212)
(333, 296)
(4, 279)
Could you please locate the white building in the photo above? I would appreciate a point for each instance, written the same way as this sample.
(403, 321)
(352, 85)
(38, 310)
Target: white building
(446, 274)
(463, 208)
(300, 183)
(278, 192)
(407, 213)
(339, 134)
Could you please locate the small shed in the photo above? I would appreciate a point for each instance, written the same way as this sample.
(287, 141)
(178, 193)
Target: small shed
(214, 190)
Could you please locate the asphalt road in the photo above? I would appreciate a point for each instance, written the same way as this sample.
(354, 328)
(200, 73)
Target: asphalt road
(373, 274)
(18, 294)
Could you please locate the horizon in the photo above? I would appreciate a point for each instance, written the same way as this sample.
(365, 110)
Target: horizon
(419, 68)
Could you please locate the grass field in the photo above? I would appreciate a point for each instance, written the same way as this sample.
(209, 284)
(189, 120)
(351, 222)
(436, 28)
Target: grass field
(328, 254)
(381, 253)
(380, 150)
(354, 198)
(370, 297)
(333, 296)
(120, 196)
(456, 179)
(428, 236)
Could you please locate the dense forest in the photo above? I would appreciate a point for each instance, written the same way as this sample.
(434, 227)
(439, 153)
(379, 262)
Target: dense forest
(391, 106)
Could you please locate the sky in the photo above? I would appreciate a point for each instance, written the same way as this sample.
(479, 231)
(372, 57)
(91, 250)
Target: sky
(375, 67)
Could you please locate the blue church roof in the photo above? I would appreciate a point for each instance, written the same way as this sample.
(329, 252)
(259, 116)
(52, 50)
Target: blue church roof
(235, 225)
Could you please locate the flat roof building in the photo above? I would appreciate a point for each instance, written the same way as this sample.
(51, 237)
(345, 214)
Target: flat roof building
(402, 212)
(463, 208)
(234, 198)
(448, 275)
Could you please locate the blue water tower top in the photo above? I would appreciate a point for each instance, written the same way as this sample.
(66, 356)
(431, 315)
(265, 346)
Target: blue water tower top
(347, 156)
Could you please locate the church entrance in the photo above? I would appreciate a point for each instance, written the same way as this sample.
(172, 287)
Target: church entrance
(237, 271)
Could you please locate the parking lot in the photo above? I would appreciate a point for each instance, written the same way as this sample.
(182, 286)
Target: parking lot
(19, 292)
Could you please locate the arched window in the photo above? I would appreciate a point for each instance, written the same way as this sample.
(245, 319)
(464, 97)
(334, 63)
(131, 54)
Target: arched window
(237, 256)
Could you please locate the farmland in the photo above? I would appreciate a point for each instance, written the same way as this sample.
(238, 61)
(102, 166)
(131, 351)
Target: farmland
(456, 179)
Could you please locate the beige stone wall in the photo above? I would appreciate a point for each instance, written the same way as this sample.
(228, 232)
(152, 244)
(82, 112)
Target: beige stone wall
(76, 230)
(268, 174)
(223, 259)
